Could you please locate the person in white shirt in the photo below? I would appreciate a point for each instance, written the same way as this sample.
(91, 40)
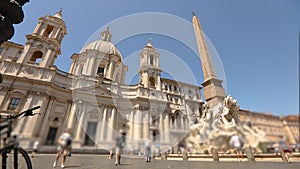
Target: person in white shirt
(35, 148)
(64, 146)
(235, 142)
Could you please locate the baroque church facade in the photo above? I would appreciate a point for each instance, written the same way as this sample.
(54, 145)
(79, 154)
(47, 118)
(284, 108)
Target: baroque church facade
(92, 98)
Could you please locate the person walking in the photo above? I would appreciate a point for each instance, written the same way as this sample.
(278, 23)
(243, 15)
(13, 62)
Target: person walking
(120, 144)
(64, 145)
(147, 152)
(237, 145)
(35, 148)
(112, 150)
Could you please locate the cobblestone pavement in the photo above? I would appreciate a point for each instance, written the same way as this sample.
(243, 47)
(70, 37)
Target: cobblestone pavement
(77, 161)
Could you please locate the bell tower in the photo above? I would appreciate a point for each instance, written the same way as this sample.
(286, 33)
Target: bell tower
(43, 45)
(149, 67)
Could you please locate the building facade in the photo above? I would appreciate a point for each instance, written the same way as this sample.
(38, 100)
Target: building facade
(275, 127)
(92, 98)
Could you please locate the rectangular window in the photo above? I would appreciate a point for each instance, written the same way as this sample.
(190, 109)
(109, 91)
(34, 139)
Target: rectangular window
(100, 70)
(90, 134)
(13, 103)
(172, 120)
(154, 134)
(166, 87)
(151, 59)
(153, 118)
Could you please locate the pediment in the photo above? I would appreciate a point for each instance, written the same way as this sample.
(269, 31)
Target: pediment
(18, 92)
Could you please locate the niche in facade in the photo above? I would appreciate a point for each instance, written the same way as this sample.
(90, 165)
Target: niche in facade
(36, 57)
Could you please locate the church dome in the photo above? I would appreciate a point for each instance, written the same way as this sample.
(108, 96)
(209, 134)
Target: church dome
(103, 45)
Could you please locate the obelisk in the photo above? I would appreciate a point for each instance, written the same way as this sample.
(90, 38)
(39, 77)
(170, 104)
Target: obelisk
(214, 93)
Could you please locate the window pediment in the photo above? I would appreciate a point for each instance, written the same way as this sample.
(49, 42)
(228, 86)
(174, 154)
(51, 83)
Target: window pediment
(17, 92)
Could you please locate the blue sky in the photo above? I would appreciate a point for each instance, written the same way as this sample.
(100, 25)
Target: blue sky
(257, 41)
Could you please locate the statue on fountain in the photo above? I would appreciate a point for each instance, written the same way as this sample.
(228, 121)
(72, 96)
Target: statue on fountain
(216, 125)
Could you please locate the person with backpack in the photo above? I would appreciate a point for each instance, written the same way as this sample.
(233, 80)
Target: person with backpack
(64, 146)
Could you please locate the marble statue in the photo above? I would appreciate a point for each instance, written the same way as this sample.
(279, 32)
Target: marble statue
(216, 125)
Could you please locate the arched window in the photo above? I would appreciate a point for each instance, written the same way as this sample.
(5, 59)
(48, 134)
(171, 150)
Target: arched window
(190, 94)
(152, 81)
(151, 59)
(48, 31)
(155, 133)
(80, 68)
(173, 119)
(36, 57)
(50, 140)
(56, 119)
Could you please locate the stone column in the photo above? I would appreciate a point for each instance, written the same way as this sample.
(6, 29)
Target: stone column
(182, 123)
(47, 114)
(57, 33)
(78, 134)
(106, 70)
(99, 127)
(188, 122)
(72, 67)
(28, 128)
(123, 77)
(74, 109)
(175, 125)
(132, 124)
(161, 128)
(37, 28)
(167, 128)
(103, 127)
(138, 126)
(46, 59)
(85, 66)
(146, 126)
(111, 124)
(24, 56)
(111, 69)
(146, 80)
(89, 70)
(3, 53)
(42, 30)
(158, 85)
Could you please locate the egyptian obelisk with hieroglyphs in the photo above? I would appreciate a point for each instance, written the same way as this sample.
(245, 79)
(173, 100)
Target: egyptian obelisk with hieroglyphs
(214, 93)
